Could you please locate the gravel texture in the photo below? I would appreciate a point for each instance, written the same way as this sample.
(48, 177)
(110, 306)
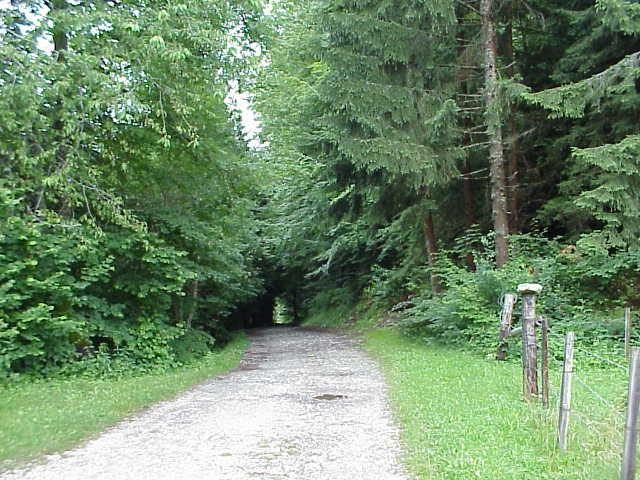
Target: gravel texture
(302, 405)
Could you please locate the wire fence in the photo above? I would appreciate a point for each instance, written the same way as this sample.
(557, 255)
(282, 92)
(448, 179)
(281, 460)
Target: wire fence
(599, 407)
(597, 414)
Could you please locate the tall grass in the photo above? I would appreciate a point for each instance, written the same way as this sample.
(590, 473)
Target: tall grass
(463, 418)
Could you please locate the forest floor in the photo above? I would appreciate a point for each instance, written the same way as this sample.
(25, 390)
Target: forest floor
(304, 404)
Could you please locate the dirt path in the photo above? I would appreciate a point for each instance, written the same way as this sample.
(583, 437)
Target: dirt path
(303, 405)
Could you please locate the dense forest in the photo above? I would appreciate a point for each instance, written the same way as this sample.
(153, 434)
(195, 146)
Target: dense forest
(419, 158)
(442, 152)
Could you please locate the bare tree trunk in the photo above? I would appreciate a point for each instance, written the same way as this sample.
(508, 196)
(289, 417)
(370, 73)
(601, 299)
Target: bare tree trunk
(177, 310)
(514, 143)
(494, 132)
(296, 314)
(463, 78)
(432, 250)
(514, 153)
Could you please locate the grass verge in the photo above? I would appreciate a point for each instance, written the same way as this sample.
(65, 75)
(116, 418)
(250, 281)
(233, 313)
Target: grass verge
(361, 317)
(330, 317)
(463, 418)
(52, 415)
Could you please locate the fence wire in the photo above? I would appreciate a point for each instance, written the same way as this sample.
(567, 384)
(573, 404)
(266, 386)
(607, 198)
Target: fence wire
(606, 426)
(594, 355)
(598, 404)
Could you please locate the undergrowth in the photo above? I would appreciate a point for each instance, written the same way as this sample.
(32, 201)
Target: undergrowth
(584, 290)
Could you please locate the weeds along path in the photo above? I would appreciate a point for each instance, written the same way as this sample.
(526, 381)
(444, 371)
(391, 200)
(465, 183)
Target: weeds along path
(302, 405)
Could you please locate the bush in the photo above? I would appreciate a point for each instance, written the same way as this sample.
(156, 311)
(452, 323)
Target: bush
(44, 272)
(72, 292)
(579, 283)
(62, 291)
(191, 345)
(330, 307)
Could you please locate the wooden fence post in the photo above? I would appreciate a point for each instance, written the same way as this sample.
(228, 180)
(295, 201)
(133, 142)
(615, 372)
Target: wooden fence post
(631, 425)
(627, 331)
(529, 291)
(565, 392)
(505, 325)
(544, 363)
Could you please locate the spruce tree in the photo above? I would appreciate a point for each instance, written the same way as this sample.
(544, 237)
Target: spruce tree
(610, 172)
(493, 118)
(388, 95)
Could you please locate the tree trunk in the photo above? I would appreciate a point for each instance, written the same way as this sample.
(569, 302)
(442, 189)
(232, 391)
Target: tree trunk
(469, 207)
(60, 46)
(494, 132)
(463, 78)
(432, 250)
(194, 306)
(514, 153)
(60, 41)
(514, 143)
(296, 314)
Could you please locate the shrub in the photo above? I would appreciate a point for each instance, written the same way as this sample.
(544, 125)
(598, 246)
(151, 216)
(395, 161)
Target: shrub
(579, 281)
(192, 345)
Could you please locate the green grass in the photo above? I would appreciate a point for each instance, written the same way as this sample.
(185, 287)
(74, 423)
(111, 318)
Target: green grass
(463, 418)
(359, 318)
(329, 317)
(53, 415)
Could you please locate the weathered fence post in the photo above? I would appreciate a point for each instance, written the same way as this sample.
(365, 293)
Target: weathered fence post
(627, 331)
(544, 363)
(505, 325)
(631, 425)
(565, 392)
(529, 291)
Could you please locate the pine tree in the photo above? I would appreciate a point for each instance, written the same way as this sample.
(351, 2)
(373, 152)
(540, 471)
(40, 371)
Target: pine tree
(611, 171)
(493, 117)
(388, 96)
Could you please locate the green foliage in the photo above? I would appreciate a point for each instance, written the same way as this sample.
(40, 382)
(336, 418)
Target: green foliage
(192, 344)
(621, 15)
(467, 310)
(42, 273)
(151, 343)
(135, 222)
(67, 290)
(573, 99)
(127, 197)
(602, 180)
(615, 193)
(387, 116)
(578, 282)
(331, 307)
(361, 127)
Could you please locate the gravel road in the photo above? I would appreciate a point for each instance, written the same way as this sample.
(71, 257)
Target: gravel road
(303, 405)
